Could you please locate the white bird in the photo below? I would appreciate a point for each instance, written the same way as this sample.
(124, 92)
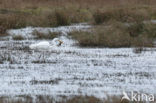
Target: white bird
(125, 97)
(45, 45)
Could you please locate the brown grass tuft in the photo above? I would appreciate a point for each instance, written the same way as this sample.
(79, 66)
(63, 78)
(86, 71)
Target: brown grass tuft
(62, 18)
(18, 37)
(121, 14)
(114, 34)
(41, 35)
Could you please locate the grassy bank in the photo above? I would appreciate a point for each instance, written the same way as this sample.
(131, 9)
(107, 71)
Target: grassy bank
(51, 13)
(117, 34)
(64, 12)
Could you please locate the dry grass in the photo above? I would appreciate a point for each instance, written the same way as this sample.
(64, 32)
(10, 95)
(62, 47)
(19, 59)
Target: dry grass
(64, 12)
(50, 17)
(122, 14)
(75, 99)
(6, 57)
(41, 35)
(50, 3)
(116, 34)
(62, 18)
(18, 37)
(50, 13)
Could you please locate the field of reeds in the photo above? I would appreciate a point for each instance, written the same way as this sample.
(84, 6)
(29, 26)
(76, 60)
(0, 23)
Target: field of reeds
(103, 13)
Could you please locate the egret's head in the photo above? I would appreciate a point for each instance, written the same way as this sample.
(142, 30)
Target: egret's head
(57, 42)
(60, 42)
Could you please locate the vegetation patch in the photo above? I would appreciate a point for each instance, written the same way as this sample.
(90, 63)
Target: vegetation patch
(41, 35)
(65, 99)
(36, 82)
(52, 13)
(62, 18)
(123, 14)
(18, 37)
(116, 34)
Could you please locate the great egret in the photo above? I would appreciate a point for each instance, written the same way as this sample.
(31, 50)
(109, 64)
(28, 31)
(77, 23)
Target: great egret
(45, 45)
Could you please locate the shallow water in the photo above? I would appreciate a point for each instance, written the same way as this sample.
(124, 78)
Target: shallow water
(71, 70)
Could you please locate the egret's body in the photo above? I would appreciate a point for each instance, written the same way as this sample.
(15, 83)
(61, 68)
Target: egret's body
(45, 45)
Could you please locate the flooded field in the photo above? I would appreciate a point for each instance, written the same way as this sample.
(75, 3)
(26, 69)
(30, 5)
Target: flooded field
(70, 70)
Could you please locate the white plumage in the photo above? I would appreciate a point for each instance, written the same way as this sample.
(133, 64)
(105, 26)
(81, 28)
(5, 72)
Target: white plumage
(45, 45)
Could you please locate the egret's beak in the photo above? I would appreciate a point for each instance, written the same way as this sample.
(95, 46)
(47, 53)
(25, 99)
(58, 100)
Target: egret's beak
(60, 42)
